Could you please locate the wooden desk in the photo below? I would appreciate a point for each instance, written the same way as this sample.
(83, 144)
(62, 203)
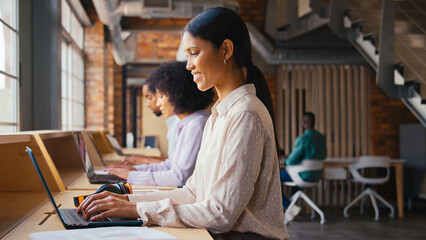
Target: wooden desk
(82, 183)
(153, 152)
(21, 192)
(15, 207)
(109, 154)
(53, 223)
(399, 176)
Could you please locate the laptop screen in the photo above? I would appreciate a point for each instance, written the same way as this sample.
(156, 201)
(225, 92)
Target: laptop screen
(46, 187)
(82, 150)
(114, 143)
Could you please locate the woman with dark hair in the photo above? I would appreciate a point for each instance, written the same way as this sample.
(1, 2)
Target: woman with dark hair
(176, 94)
(235, 191)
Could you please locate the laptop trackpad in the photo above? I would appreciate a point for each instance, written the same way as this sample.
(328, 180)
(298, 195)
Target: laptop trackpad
(101, 173)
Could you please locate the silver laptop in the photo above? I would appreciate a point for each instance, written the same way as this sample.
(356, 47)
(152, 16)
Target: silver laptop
(70, 218)
(94, 176)
(115, 145)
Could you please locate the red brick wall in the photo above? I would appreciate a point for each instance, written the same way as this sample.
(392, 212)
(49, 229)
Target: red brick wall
(254, 11)
(94, 50)
(118, 107)
(110, 91)
(154, 45)
(386, 116)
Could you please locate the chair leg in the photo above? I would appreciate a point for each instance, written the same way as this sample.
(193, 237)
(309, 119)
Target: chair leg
(373, 201)
(312, 204)
(361, 206)
(294, 199)
(345, 211)
(384, 202)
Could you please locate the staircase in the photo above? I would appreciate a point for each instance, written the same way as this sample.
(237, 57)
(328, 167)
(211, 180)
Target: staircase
(396, 49)
(390, 35)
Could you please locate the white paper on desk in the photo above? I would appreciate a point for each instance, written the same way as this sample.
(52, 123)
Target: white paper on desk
(106, 233)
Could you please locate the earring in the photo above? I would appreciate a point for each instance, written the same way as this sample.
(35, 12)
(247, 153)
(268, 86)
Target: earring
(224, 60)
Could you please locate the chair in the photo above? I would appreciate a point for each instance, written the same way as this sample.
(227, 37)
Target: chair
(369, 162)
(335, 174)
(293, 171)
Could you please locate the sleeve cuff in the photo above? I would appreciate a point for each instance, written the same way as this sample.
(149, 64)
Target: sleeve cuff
(142, 167)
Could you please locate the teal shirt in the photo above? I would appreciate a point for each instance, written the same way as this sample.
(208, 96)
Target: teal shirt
(310, 145)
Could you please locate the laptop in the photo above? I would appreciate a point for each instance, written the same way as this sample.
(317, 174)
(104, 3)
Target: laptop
(70, 218)
(94, 176)
(115, 145)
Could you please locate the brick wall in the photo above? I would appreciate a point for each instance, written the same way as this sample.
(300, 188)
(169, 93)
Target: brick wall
(386, 116)
(157, 45)
(94, 50)
(254, 11)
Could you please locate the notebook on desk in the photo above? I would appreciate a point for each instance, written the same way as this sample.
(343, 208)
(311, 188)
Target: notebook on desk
(70, 218)
(94, 176)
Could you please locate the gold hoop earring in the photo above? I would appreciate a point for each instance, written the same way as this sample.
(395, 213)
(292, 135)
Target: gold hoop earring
(224, 60)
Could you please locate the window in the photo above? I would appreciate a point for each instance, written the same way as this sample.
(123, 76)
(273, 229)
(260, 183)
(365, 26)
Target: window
(72, 71)
(9, 78)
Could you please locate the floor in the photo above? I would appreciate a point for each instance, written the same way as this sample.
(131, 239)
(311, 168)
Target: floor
(357, 226)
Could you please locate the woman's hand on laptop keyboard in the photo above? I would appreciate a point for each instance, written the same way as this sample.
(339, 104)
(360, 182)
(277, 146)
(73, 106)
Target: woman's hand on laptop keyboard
(120, 171)
(107, 204)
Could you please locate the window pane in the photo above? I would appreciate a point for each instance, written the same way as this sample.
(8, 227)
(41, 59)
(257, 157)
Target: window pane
(66, 12)
(8, 99)
(7, 129)
(76, 31)
(64, 56)
(8, 12)
(77, 65)
(7, 50)
(78, 90)
(64, 114)
(64, 84)
(78, 115)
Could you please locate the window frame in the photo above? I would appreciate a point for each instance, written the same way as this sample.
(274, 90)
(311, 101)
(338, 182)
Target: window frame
(15, 102)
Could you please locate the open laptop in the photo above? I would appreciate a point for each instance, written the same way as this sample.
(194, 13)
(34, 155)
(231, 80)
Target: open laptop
(94, 176)
(115, 145)
(70, 218)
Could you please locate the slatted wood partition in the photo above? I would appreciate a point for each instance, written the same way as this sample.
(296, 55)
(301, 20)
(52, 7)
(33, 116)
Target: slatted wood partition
(339, 97)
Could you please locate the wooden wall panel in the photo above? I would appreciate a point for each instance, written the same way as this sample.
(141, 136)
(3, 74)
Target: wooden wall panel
(293, 113)
(336, 114)
(338, 95)
(279, 111)
(329, 108)
(287, 111)
(350, 109)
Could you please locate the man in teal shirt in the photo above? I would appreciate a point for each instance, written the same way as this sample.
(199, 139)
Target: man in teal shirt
(310, 145)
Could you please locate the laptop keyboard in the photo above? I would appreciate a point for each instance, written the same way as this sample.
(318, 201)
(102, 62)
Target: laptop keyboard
(73, 218)
(107, 177)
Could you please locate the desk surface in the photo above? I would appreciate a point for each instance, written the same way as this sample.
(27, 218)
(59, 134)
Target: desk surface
(82, 183)
(53, 223)
(15, 207)
(154, 152)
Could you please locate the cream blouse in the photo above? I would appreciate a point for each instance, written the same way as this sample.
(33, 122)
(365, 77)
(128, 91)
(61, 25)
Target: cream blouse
(235, 185)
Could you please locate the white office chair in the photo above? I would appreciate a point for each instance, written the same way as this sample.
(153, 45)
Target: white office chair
(293, 171)
(335, 174)
(369, 162)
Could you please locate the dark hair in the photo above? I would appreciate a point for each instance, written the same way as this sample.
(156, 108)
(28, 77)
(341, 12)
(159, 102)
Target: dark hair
(152, 80)
(177, 83)
(217, 24)
(311, 118)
